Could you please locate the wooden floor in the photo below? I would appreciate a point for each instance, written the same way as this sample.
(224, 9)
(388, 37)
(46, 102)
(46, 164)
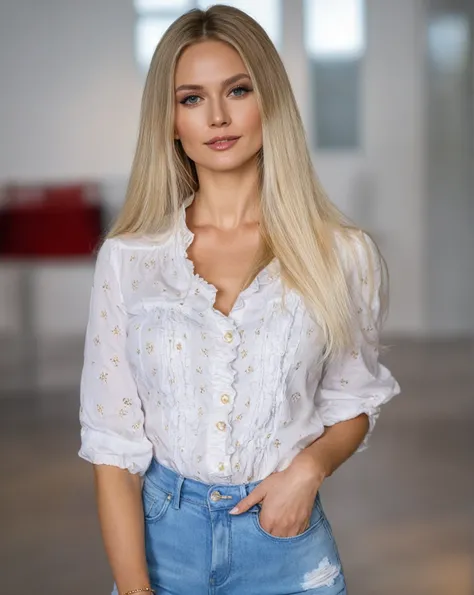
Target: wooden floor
(402, 511)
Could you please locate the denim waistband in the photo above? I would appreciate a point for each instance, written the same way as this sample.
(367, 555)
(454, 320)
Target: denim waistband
(179, 487)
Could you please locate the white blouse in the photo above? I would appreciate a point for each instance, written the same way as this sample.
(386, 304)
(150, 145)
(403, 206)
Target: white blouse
(220, 399)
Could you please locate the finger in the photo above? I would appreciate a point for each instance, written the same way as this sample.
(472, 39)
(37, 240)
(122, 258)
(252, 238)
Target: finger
(246, 503)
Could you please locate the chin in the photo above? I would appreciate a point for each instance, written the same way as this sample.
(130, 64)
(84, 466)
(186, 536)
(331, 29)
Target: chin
(227, 163)
(225, 167)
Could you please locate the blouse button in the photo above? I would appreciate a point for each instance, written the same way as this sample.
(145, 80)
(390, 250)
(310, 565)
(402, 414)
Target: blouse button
(228, 337)
(221, 425)
(224, 398)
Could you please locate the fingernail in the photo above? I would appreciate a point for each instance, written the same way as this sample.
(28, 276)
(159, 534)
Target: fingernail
(235, 510)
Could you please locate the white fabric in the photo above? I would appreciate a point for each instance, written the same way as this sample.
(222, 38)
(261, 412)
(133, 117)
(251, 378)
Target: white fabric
(221, 399)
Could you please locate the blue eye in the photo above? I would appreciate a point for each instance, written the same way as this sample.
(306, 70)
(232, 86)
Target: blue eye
(241, 91)
(186, 100)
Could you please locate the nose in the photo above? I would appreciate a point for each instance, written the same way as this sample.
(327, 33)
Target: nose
(219, 115)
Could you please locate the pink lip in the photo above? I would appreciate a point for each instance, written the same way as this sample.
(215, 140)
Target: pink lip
(221, 143)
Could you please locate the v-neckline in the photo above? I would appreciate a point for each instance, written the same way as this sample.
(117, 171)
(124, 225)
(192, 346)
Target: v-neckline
(188, 238)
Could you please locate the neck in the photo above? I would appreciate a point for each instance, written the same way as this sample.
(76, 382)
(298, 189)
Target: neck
(226, 200)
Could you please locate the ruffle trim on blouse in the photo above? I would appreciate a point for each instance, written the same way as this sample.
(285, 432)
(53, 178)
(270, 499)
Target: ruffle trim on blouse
(135, 464)
(208, 290)
(223, 374)
(279, 355)
(373, 415)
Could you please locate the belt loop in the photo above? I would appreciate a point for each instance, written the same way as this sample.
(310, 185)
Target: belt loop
(177, 492)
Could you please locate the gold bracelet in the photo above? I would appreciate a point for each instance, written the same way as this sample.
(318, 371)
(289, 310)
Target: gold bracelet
(142, 590)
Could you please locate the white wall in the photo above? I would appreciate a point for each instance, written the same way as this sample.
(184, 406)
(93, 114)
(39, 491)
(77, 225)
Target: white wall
(394, 113)
(70, 104)
(450, 213)
(70, 89)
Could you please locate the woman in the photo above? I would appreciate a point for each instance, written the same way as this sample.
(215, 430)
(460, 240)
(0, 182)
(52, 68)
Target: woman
(231, 353)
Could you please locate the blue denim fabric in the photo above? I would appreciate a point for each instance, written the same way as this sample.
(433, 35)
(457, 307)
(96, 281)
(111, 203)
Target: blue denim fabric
(195, 547)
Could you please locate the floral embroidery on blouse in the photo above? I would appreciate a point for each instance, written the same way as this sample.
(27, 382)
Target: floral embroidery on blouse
(167, 375)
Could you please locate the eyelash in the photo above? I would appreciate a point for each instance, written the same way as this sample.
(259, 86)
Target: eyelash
(239, 88)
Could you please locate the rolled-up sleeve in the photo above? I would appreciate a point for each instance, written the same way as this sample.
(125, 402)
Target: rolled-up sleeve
(355, 382)
(111, 414)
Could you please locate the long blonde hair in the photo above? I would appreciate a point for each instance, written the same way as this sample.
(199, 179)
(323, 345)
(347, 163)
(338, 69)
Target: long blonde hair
(298, 223)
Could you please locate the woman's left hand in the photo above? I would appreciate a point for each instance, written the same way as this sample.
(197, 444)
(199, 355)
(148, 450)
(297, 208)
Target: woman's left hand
(287, 497)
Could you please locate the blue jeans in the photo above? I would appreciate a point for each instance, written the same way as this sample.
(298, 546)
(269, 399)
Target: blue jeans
(195, 547)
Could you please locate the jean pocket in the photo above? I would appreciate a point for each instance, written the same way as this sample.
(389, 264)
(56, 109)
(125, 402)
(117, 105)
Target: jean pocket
(155, 502)
(316, 518)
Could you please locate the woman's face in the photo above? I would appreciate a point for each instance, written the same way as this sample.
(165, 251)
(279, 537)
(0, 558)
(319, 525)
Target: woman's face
(215, 98)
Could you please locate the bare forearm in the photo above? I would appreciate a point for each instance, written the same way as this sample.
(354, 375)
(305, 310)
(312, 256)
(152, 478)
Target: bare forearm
(337, 444)
(120, 509)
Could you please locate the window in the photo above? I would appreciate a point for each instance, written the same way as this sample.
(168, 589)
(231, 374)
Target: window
(155, 16)
(335, 43)
(449, 41)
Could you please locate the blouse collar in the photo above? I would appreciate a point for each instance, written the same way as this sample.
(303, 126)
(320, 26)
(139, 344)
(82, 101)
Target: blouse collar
(186, 236)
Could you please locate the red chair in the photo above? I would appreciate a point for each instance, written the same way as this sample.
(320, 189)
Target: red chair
(50, 221)
(40, 224)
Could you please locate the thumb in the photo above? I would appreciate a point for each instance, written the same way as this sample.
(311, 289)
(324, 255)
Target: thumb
(253, 498)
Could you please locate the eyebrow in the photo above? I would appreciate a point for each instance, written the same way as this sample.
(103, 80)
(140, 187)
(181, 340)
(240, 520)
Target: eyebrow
(229, 81)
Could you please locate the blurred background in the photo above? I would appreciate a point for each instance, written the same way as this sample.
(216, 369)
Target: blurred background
(385, 88)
